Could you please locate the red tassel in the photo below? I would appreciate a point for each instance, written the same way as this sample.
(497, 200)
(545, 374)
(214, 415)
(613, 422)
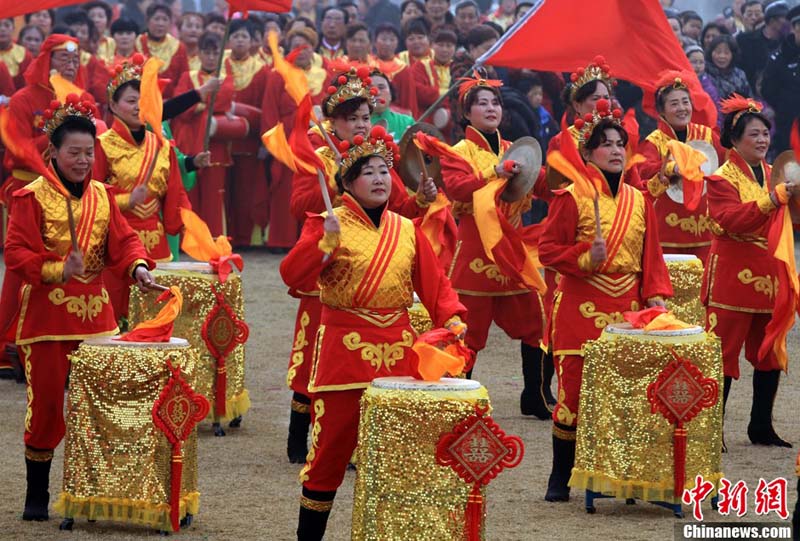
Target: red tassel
(679, 460)
(221, 389)
(176, 472)
(474, 513)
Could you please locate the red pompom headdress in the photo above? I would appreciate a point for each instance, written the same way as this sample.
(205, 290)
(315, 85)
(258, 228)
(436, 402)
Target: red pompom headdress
(470, 84)
(57, 113)
(352, 84)
(378, 143)
(740, 105)
(673, 79)
(589, 122)
(597, 70)
(122, 73)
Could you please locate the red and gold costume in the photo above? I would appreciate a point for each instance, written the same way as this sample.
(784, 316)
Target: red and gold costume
(431, 80)
(107, 51)
(208, 195)
(329, 53)
(248, 185)
(172, 52)
(96, 75)
(365, 287)
(16, 58)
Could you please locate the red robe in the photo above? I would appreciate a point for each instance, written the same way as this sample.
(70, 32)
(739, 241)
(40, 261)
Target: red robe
(17, 59)
(175, 64)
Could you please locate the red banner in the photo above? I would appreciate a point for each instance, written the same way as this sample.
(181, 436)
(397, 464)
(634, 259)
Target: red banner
(275, 6)
(9, 8)
(637, 43)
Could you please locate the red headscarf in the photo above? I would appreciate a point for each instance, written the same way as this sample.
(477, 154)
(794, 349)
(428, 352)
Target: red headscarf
(38, 72)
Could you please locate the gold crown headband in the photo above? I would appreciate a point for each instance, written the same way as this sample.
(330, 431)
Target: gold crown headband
(58, 113)
(379, 143)
(589, 122)
(740, 105)
(352, 84)
(125, 72)
(598, 70)
(676, 84)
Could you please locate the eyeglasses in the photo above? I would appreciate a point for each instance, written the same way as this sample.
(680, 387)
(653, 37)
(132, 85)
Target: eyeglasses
(71, 59)
(333, 18)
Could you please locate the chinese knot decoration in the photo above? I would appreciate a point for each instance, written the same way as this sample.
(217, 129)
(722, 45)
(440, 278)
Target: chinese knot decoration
(679, 393)
(478, 449)
(176, 412)
(222, 331)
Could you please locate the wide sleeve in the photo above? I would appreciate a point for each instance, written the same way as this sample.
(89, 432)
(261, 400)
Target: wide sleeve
(558, 248)
(7, 87)
(175, 198)
(432, 286)
(22, 111)
(25, 253)
(540, 188)
(727, 209)
(128, 252)
(649, 170)
(426, 93)
(460, 179)
(403, 203)
(306, 195)
(655, 276)
(306, 259)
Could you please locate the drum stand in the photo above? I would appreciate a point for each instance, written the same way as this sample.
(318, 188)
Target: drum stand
(68, 523)
(676, 508)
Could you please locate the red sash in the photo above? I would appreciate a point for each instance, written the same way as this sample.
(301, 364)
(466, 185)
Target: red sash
(380, 260)
(83, 229)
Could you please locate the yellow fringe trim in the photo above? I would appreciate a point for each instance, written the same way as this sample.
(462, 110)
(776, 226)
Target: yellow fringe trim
(154, 515)
(641, 490)
(237, 405)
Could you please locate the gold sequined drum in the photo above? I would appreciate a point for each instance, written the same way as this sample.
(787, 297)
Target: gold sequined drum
(212, 315)
(624, 450)
(419, 317)
(116, 461)
(401, 493)
(686, 275)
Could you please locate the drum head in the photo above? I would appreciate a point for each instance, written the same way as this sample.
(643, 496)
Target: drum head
(679, 258)
(407, 383)
(114, 341)
(528, 155)
(191, 266)
(626, 329)
(410, 167)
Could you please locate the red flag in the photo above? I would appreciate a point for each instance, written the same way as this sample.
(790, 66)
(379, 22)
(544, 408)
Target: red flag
(637, 43)
(13, 9)
(275, 6)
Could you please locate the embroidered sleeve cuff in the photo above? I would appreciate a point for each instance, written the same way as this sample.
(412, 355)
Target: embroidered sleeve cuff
(421, 201)
(656, 187)
(765, 203)
(123, 201)
(489, 173)
(136, 264)
(585, 261)
(53, 272)
(329, 242)
(669, 170)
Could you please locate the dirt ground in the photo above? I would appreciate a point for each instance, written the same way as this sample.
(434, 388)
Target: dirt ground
(250, 491)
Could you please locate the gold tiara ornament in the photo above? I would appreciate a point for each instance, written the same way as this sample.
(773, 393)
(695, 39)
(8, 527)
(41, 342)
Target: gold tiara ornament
(355, 83)
(597, 70)
(589, 122)
(125, 72)
(57, 113)
(379, 143)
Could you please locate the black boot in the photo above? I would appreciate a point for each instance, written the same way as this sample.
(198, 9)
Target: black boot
(299, 419)
(563, 461)
(532, 401)
(315, 507)
(549, 371)
(726, 389)
(760, 430)
(796, 515)
(37, 464)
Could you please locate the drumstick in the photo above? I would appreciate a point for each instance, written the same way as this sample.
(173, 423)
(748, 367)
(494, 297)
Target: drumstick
(157, 287)
(326, 197)
(421, 157)
(598, 230)
(329, 141)
(72, 232)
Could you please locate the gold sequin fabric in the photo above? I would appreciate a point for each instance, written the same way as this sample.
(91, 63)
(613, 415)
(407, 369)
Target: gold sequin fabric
(198, 301)
(401, 493)
(623, 449)
(687, 279)
(419, 318)
(125, 164)
(116, 462)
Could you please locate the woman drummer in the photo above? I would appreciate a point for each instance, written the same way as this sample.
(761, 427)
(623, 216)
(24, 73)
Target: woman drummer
(680, 230)
(368, 262)
(347, 106)
(489, 292)
(622, 270)
(741, 285)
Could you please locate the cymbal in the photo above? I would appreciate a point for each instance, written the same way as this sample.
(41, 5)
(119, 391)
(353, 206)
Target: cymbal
(785, 167)
(410, 167)
(712, 159)
(528, 155)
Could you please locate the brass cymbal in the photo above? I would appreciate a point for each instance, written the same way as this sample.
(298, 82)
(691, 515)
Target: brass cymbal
(410, 167)
(712, 159)
(785, 167)
(527, 153)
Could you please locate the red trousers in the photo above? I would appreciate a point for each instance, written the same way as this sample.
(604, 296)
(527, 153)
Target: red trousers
(247, 198)
(569, 369)
(282, 225)
(520, 316)
(334, 435)
(737, 329)
(9, 304)
(208, 196)
(46, 369)
(305, 335)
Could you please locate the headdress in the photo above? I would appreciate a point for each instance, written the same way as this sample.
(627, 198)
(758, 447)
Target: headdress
(589, 122)
(58, 113)
(469, 84)
(672, 79)
(125, 72)
(38, 71)
(355, 83)
(597, 70)
(740, 105)
(378, 143)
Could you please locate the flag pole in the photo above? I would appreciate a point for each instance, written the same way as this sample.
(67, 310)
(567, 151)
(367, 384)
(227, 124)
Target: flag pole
(213, 99)
(482, 59)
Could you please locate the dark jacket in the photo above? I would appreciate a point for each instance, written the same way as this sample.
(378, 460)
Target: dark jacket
(382, 12)
(754, 51)
(781, 89)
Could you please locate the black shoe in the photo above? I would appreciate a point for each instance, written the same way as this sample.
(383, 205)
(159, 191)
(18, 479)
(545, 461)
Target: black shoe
(532, 401)
(315, 508)
(563, 461)
(760, 430)
(299, 420)
(37, 496)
